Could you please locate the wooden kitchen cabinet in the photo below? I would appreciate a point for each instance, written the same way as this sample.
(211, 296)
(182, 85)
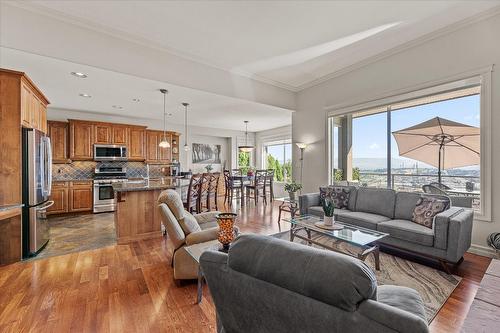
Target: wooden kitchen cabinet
(71, 197)
(136, 143)
(102, 133)
(80, 196)
(81, 140)
(33, 106)
(156, 154)
(120, 134)
(59, 194)
(58, 133)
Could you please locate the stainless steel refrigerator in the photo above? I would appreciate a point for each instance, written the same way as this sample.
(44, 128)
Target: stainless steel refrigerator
(37, 179)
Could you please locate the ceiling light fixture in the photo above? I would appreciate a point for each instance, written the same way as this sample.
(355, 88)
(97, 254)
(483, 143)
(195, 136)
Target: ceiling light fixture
(186, 146)
(79, 75)
(85, 95)
(117, 107)
(246, 148)
(164, 142)
(137, 100)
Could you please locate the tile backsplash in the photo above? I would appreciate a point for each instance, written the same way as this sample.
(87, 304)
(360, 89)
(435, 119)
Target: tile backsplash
(80, 170)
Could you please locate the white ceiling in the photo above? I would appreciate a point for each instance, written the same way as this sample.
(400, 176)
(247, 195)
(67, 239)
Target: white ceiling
(109, 88)
(289, 43)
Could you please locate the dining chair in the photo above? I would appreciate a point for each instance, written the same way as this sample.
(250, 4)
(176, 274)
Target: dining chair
(212, 185)
(270, 183)
(258, 187)
(231, 186)
(192, 203)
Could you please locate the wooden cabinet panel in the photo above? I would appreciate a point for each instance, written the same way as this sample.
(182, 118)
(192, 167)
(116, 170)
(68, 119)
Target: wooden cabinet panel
(152, 140)
(81, 137)
(120, 135)
(80, 196)
(33, 107)
(58, 133)
(25, 105)
(60, 197)
(43, 118)
(35, 112)
(102, 133)
(156, 154)
(136, 145)
(165, 154)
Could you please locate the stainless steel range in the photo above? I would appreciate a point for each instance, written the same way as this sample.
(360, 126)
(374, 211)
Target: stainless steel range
(104, 196)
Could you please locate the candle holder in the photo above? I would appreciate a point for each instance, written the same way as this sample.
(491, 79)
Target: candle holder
(226, 229)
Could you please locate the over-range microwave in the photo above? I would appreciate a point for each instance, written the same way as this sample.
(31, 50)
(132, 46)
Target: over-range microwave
(110, 153)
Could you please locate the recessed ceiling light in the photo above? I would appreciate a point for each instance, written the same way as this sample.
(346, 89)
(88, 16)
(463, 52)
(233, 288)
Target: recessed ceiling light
(137, 100)
(79, 75)
(85, 95)
(117, 107)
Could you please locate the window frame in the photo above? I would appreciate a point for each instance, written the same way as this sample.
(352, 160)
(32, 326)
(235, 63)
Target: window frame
(481, 76)
(276, 143)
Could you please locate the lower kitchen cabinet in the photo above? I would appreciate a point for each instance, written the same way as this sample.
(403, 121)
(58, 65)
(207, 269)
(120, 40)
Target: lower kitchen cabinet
(73, 196)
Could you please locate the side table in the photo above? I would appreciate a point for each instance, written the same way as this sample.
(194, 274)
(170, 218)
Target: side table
(287, 205)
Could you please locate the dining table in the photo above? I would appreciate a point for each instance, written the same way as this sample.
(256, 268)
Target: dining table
(242, 180)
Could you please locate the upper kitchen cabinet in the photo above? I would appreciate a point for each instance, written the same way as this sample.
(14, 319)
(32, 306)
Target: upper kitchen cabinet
(106, 133)
(137, 143)
(120, 134)
(33, 105)
(58, 133)
(158, 155)
(81, 140)
(103, 133)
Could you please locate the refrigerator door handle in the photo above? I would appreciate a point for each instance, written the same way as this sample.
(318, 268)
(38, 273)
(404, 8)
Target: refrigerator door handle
(49, 165)
(45, 206)
(42, 166)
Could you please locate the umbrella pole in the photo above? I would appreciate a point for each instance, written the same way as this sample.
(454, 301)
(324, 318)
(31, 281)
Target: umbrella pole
(439, 166)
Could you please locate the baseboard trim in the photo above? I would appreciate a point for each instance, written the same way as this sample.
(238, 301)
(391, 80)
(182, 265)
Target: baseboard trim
(483, 251)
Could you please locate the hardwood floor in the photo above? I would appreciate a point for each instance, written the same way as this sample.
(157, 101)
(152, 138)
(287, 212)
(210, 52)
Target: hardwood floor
(129, 288)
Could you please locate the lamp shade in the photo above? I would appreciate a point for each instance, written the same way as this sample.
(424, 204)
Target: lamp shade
(164, 144)
(301, 145)
(245, 149)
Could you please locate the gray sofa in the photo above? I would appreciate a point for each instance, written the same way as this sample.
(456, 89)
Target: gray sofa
(266, 284)
(391, 212)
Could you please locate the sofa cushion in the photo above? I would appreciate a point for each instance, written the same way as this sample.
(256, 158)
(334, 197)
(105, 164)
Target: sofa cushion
(379, 201)
(338, 194)
(427, 207)
(408, 231)
(307, 271)
(316, 210)
(188, 223)
(405, 204)
(361, 219)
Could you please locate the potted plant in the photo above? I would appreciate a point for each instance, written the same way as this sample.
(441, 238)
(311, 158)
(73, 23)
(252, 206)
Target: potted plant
(328, 209)
(292, 188)
(209, 168)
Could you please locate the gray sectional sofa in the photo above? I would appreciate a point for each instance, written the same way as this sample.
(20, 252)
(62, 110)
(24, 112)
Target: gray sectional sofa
(391, 212)
(270, 285)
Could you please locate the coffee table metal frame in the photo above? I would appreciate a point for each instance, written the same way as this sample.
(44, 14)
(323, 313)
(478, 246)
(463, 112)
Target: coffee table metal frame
(366, 247)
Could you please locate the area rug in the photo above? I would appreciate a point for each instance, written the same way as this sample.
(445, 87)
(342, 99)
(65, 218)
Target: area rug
(434, 286)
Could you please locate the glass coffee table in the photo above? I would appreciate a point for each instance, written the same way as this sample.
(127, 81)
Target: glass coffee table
(195, 251)
(365, 240)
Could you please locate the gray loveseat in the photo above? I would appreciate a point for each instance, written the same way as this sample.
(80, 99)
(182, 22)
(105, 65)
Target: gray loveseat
(266, 284)
(391, 212)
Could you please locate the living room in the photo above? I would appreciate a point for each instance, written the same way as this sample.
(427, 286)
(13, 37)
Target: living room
(336, 94)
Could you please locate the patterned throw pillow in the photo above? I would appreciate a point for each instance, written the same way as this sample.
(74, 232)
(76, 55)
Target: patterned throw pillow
(338, 194)
(428, 207)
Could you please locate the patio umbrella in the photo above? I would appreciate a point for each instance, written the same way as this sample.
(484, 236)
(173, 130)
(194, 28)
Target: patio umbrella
(440, 142)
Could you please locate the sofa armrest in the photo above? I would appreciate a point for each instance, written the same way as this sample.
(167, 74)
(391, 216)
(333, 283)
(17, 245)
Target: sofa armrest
(461, 201)
(202, 236)
(308, 200)
(441, 224)
(392, 317)
(206, 217)
(459, 234)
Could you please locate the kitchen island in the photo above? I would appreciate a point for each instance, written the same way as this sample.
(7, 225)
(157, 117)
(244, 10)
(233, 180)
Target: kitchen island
(137, 216)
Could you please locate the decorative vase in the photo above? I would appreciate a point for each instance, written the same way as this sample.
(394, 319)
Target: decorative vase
(328, 220)
(292, 195)
(226, 229)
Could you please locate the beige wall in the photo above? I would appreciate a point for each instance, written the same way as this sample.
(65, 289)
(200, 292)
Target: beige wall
(471, 47)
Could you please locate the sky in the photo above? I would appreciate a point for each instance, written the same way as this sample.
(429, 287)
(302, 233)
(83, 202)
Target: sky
(369, 133)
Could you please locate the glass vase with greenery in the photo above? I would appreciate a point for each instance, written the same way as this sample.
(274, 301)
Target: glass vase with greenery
(292, 188)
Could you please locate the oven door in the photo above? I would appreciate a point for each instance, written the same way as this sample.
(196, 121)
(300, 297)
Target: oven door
(104, 198)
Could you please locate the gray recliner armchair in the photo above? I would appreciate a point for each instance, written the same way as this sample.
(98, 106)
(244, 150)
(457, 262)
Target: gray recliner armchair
(266, 284)
(184, 228)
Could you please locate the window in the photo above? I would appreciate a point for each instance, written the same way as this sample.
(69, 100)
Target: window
(244, 159)
(278, 157)
(363, 148)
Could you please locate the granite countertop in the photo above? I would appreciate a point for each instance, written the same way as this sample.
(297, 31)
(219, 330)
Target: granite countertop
(9, 207)
(151, 184)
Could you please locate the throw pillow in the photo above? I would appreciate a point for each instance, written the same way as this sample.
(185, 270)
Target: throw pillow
(428, 207)
(338, 194)
(188, 223)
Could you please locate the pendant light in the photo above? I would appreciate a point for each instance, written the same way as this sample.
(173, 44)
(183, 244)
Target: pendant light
(164, 142)
(186, 145)
(246, 148)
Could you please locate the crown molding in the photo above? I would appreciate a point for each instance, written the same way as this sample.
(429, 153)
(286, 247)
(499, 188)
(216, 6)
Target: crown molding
(403, 47)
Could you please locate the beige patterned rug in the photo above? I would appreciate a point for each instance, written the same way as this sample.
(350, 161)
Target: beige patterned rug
(434, 286)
